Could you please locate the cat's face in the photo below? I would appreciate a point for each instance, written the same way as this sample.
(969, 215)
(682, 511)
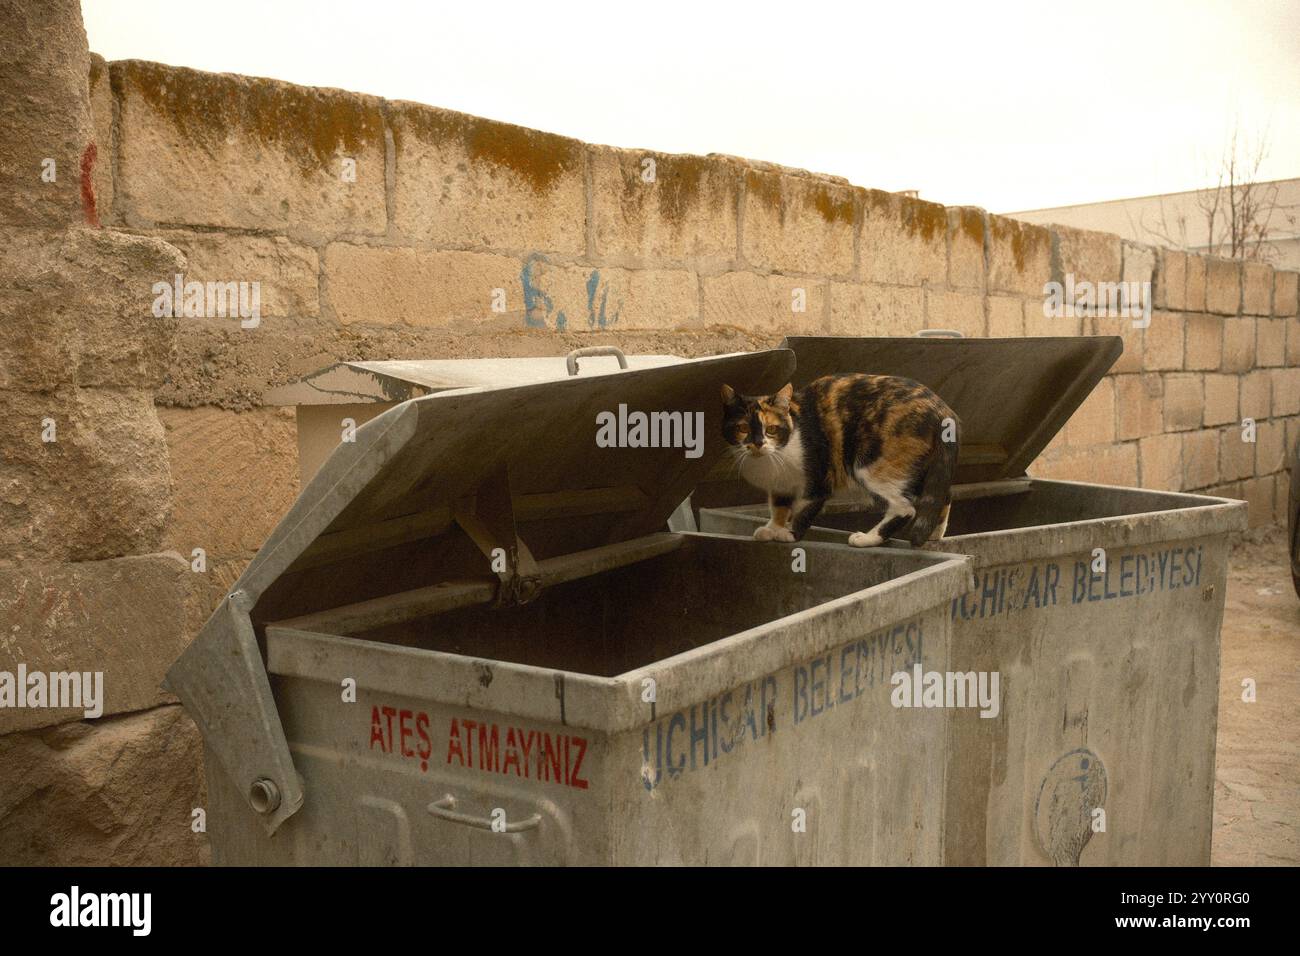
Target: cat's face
(757, 425)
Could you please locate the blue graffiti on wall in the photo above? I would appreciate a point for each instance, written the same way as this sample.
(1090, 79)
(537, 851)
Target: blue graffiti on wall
(539, 306)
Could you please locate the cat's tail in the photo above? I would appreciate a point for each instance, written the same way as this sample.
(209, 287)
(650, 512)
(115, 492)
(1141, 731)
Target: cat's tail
(935, 495)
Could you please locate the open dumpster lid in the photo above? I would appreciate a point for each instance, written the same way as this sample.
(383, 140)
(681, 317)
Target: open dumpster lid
(515, 468)
(401, 379)
(1012, 395)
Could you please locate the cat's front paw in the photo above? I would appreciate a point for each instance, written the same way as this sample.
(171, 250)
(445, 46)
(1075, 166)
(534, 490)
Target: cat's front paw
(764, 533)
(864, 539)
(782, 534)
(771, 533)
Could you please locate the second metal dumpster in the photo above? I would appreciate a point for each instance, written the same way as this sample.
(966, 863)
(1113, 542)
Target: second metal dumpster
(470, 641)
(1099, 607)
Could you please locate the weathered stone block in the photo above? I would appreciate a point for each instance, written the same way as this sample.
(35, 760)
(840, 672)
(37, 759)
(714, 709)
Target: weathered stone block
(45, 115)
(766, 303)
(866, 309)
(1221, 399)
(1171, 283)
(101, 109)
(966, 248)
(1238, 345)
(1163, 345)
(1258, 493)
(687, 211)
(234, 476)
(1256, 401)
(1160, 458)
(1103, 464)
(124, 618)
(1285, 301)
(1196, 283)
(1006, 316)
(252, 153)
(1093, 423)
(1270, 448)
(287, 274)
(1184, 399)
(1200, 459)
(962, 311)
(100, 489)
(1139, 402)
(76, 309)
(1204, 348)
(1286, 390)
(1223, 286)
(903, 240)
(473, 183)
(1236, 456)
(1256, 288)
(800, 223)
(1270, 342)
(1093, 257)
(118, 792)
(387, 285)
(1019, 257)
(1140, 274)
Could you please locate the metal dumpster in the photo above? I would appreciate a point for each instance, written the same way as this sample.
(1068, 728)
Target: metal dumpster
(471, 642)
(1099, 607)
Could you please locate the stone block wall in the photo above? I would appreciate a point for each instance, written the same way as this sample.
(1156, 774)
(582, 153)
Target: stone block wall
(86, 584)
(382, 229)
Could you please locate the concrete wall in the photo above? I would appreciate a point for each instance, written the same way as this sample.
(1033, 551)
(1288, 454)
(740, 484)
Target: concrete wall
(165, 445)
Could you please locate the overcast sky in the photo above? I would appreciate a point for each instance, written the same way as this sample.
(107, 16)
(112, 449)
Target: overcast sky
(1003, 105)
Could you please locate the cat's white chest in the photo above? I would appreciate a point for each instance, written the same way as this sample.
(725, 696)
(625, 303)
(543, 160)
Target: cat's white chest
(779, 472)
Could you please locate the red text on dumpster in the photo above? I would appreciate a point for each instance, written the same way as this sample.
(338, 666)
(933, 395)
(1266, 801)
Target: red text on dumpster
(407, 730)
(530, 754)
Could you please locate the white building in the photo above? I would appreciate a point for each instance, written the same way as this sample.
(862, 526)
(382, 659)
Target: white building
(1178, 219)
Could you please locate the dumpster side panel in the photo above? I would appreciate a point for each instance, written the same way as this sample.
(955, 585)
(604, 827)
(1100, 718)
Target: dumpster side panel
(811, 764)
(1109, 701)
(397, 780)
(1108, 678)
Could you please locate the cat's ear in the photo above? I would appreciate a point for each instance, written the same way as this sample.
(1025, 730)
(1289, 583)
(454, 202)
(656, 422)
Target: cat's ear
(782, 398)
(728, 394)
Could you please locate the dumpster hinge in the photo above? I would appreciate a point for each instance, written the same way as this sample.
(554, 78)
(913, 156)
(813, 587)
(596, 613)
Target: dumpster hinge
(488, 517)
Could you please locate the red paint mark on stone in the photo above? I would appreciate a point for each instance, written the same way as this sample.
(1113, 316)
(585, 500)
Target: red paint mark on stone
(88, 185)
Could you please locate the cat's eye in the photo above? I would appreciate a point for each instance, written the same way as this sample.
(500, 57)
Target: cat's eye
(742, 431)
(772, 431)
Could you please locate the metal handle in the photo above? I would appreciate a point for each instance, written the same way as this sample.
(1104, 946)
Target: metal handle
(446, 810)
(571, 360)
(939, 334)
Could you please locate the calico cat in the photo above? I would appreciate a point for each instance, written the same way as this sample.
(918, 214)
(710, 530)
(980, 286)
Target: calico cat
(882, 433)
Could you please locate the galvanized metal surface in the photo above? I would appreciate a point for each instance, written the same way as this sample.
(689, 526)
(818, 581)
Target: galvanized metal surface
(1109, 680)
(423, 470)
(770, 737)
(403, 379)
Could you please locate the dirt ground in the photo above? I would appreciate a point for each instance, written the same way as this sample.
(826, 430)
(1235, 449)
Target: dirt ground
(1257, 779)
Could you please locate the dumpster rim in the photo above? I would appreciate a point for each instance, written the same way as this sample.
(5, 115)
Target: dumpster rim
(612, 704)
